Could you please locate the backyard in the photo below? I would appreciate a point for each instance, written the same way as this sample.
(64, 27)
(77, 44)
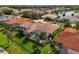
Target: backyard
(21, 45)
(10, 48)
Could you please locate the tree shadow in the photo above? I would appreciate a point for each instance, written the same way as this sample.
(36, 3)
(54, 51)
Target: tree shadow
(25, 40)
(19, 35)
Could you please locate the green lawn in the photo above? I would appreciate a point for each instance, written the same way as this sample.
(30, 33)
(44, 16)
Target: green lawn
(46, 50)
(14, 49)
(9, 48)
(27, 44)
(22, 47)
(57, 35)
(3, 40)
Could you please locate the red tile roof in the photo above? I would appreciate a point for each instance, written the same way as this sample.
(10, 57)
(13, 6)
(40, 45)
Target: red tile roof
(19, 21)
(70, 39)
(26, 25)
(44, 27)
(72, 30)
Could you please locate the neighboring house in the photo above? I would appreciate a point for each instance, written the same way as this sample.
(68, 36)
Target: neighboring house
(72, 19)
(18, 21)
(52, 16)
(70, 15)
(6, 17)
(2, 51)
(70, 40)
(39, 27)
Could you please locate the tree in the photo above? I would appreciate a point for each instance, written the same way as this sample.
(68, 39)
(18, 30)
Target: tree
(56, 50)
(67, 23)
(48, 19)
(27, 14)
(77, 25)
(55, 47)
(1, 13)
(43, 36)
(30, 14)
(7, 11)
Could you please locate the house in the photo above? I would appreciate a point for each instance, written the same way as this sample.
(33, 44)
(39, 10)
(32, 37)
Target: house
(70, 15)
(52, 16)
(39, 27)
(70, 40)
(6, 17)
(18, 21)
(72, 19)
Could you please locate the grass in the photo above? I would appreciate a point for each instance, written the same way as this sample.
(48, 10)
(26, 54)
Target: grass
(46, 50)
(27, 44)
(1, 29)
(9, 48)
(13, 49)
(3, 40)
(57, 35)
